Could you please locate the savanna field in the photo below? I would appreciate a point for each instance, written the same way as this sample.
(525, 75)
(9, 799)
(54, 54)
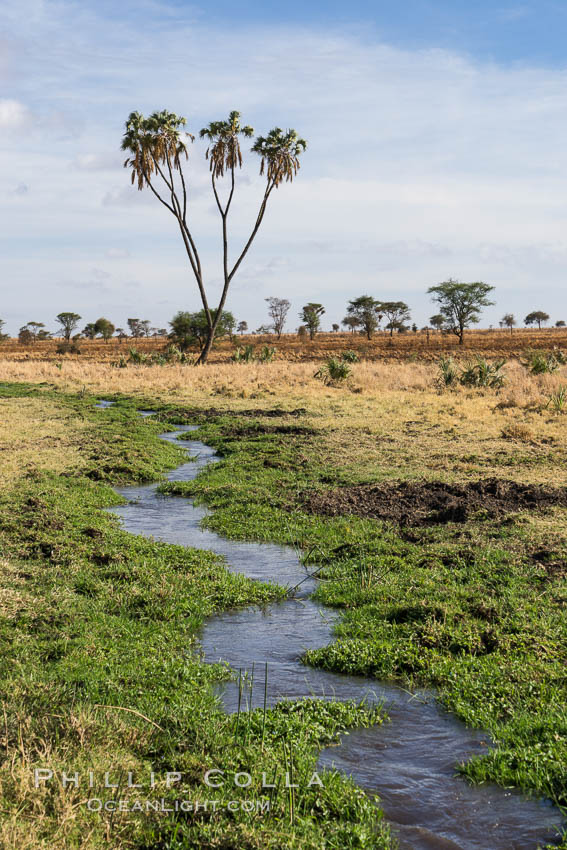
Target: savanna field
(436, 507)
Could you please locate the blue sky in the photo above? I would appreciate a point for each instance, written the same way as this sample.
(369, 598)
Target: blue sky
(436, 149)
(504, 32)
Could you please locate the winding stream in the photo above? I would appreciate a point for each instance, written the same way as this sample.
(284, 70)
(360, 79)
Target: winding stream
(408, 761)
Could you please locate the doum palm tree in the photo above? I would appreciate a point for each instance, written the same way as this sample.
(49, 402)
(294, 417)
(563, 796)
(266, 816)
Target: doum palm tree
(157, 147)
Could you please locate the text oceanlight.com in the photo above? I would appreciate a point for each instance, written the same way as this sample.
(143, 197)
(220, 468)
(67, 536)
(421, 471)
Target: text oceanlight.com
(95, 804)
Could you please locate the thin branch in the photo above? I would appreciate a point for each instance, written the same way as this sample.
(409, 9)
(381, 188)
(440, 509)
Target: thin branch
(174, 198)
(216, 194)
(187, 241)
(161, 174)
(194, 247)
(228, 203)
(190, 247)
(158, 196)
(184, 193)
(254, 231)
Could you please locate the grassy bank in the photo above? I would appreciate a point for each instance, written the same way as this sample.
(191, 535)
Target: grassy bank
(473, 604)
(99, 664)
(473, 607)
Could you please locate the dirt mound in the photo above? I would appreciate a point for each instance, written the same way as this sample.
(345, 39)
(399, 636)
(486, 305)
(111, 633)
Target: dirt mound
(195, 414)
(257, 430)
(433, 502)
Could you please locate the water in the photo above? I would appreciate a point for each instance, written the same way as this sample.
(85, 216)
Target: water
(410, 760)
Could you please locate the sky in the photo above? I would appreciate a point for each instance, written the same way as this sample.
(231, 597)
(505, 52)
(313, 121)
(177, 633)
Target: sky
(436, 133)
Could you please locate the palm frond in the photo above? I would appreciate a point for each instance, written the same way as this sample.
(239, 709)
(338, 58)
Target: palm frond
(224, 153)
(279, 152)
(154, 141)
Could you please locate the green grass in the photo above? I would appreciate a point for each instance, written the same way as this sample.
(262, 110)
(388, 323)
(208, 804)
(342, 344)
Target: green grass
(95, 621)
(465, 608)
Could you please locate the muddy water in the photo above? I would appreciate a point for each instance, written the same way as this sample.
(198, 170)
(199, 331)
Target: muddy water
(409, 761)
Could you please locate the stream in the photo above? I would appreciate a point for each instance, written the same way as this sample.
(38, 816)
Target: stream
(410, 760)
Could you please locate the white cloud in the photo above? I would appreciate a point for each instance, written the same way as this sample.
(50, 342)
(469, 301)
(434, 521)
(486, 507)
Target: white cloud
(421, 163)
(98, 162)
(13, 115)
(127, 196)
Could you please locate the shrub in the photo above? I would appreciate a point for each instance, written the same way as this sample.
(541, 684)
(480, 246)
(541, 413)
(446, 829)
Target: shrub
(267, 354)
(137, 356)
(482, 373)
(172, 354)
(350, 357)
(243, 355)
(121, 363)
(558, 401)
(68, 348)
(448, 372)
(333, 371)
(543, 362)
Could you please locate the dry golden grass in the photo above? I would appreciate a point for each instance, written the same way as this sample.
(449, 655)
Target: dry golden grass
(36, 434)
(13, 597)
(218, 381)
(57, 817)
(264, 382)
(389, 418)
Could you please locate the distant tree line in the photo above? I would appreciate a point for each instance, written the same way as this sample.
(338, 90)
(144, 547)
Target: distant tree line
(102, 328)
(460, 305)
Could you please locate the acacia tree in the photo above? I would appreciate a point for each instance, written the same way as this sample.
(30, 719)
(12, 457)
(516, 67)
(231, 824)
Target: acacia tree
(157, 146)
(311, 316)
(437, 321)
(537, 317)
(350, 322)
(509, 321)
(397, 313)
(242, 327)
(68, 322)
(32, 332)
(3, 336)
(278, 308)
(104, 327)
(134, 327)
(460, 303)
(189, 329)
(366, 311)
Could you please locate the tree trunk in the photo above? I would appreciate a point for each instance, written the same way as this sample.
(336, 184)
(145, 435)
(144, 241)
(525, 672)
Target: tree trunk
(206, 348)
